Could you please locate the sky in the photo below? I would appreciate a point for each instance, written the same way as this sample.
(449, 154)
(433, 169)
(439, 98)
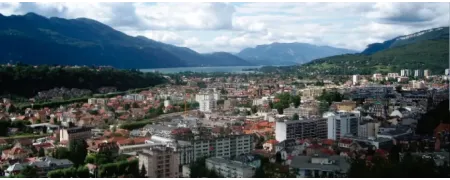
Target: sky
(231, 27)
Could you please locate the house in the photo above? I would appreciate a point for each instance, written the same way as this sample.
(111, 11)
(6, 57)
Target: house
(270, 145)
(15, 153)
(43, 166)
(248, 159)
(319, 165)
(104, 147)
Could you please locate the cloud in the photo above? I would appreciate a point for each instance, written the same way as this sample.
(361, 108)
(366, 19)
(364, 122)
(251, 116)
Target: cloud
(207, 27)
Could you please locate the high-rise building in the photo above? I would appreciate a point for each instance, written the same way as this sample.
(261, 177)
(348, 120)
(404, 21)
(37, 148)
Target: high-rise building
(418, 73)
(405, 72)
(355, 79)
(427, 72)
(160, 162)
(299, 129)
(341, 124)
(446, 72)
(368, 129)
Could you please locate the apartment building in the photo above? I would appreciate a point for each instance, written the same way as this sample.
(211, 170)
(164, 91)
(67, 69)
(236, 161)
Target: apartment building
(368, 129)
(101, 101)
(355, 79)
(427, 72)
(345, 105)
(341, 124)
(207, 105)
(134, 97)
(74, 133)
(300, 129)
(311, 93)
(43, 166)
(418, 73)
(405, 72)
(160, 162)
(319, 166)
(230, 169)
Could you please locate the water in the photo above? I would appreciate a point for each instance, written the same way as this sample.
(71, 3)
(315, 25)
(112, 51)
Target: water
(228, 69)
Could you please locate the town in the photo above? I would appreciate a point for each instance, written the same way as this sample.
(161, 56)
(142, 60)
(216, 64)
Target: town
(235, 126)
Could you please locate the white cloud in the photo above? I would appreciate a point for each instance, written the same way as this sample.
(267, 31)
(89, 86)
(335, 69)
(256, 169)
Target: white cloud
(207, 27)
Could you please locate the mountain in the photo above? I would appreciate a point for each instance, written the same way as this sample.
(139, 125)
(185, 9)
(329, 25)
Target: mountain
(423, 50)
(430, 34)
(34, 39)
(227, 59)
(288, 53)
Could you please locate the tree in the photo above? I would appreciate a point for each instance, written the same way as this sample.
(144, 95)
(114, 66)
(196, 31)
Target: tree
(41, 152)
(143, 172)
(134, 105)
(61, 153)
(78, 151)
(126, 107)
(295, 117)
(296, 100)
(279, 108)
(29, 172)
(254, 109)
(271, 105)
(260, 173)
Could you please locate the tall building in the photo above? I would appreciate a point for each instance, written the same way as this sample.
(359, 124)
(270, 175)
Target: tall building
(355, 79)
(341, 124)
(427, 72)
(405, 72)
(226, 147)
(160, 162)
(446, 72)
(74, 133)
(418, 73)
(207, 105)
(299, 129)
(368, 129)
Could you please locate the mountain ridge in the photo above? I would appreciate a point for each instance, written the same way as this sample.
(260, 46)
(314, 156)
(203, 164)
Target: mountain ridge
(35, 39)
(288, 53)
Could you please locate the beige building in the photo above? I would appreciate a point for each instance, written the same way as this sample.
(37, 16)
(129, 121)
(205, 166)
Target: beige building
(160, 162)
(74, 133)
(311, 93)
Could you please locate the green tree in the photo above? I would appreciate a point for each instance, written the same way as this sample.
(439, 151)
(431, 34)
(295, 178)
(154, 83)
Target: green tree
(260, 173)
(254, 109)
(126, 107)
(296, 100)
(279, 108)
(41, 152)
(295, 117)
(61, 153)
(271, 105)
(143, 172)
(29, 172)
(77, 151)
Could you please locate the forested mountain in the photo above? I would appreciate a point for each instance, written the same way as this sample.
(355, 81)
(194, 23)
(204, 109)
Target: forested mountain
(34, 39)
(288, 53)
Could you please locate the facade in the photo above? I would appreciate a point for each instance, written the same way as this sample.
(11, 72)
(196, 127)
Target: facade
(392, 75)
(446, 72)
(101, 101)
(368, 129)
(341, 123)
(427, 72)
(355, 79)
(405, 72)
(207, 105)
(229, 169)
(160, 162)
(299, 129)
(319, 166)
(418, 73)
(290, 111)
(74, 133)
(134, 97)
(345, 105)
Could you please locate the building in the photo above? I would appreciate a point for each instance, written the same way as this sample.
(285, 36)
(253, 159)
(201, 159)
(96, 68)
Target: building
(102, 101)
(300, 129)
(229, 169)
(405, 72)
(319, 166)
(368, 129)
(341, 124)
(446, 72)
(311, 93)
(392, 75)
(207, 105)
(418, 73)
(427, 72)
(290, 111)
(377, 77)
(355, 79)
(160, 162)
(345, 105)
(134, 97)
(74, 133)
(43, 165)
(402, 79)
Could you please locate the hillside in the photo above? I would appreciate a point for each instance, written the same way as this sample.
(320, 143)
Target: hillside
(34, 39)
(429, 54)
(429, 34)
(288, 53)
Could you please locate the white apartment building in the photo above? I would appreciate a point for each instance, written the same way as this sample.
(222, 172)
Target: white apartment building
(405, 72)
(418, 73)
(377, 77)
(341, 124)
(299, 129)
(392, 75)
(160, 162)
(229, 169)
(134, 97)
(207, 105)
(427, 72)
(446, 72)
(355, 79)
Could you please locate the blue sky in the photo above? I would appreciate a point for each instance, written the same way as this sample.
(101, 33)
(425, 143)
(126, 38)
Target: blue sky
(231, 27)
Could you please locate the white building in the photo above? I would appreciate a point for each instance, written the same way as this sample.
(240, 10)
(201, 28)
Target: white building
(368, 129)
(392, 75)
(229, 169)
(166, 103)
(355, 79)
(427, 72)
(418, 73)
(405, 72)
(446, 72)
(207, 105)
(377, 77)
(135, 97)
(341, 124)
(299, 129)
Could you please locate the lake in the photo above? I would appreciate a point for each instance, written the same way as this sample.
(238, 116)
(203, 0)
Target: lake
(228, 69)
